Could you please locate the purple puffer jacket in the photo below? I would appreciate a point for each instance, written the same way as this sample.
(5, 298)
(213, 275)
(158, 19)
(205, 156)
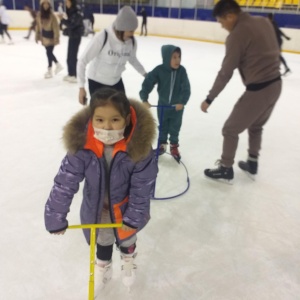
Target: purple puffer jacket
(132, 176)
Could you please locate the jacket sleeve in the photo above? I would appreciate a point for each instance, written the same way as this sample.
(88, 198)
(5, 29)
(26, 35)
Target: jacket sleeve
(55, 30)
(230, 63)
(73, 22)
(91, 51)
(137, 213)
(185, 88)
(38, 29)
(148, 84)
(66, 184)
(135, 62)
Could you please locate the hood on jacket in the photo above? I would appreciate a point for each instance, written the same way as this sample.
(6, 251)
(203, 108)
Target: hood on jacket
(166, 52)
(141, 137)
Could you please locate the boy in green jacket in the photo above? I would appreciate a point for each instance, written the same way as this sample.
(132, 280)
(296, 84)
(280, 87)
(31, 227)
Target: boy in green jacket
(173, 89)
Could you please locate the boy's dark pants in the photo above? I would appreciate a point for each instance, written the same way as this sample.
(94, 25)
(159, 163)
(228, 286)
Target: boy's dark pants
(170, 125)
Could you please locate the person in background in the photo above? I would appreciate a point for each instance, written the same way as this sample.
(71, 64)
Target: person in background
(47, 32)
(251, 47)
(173, 88)
(144, 22)
(87, 17)
(60, 13)
(279, 35)
(107, 54)
(4, 23)
(33, 14)
(109, 147)
(74, 30)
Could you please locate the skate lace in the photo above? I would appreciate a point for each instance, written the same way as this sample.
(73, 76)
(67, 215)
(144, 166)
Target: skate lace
(217, 163)
(128, 265)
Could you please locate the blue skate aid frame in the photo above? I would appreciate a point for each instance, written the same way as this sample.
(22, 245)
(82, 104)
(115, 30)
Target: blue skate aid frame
(161, 115)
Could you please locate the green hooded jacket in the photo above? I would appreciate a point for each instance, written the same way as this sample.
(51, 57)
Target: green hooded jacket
(173, 85)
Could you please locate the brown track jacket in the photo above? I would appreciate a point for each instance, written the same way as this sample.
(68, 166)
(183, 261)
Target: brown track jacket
(252, 48)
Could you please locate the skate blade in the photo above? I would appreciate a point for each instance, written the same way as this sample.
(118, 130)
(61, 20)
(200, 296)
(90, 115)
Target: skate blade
(221, 180)
(177, 158)
(251, 176)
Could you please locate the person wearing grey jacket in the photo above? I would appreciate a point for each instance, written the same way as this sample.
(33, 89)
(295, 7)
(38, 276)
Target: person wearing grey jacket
(119, 170)
(252, 48)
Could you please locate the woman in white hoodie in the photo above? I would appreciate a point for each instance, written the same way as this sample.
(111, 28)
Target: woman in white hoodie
(4, 22)
(108, 53)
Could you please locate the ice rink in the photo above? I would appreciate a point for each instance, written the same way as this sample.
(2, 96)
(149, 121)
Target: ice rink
(216, 242)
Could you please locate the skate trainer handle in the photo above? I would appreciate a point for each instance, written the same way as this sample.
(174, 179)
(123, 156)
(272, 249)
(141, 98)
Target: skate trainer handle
(93, 228)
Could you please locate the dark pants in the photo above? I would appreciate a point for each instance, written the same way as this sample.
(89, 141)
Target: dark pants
(144, 25)
(50, 55)
(170, 125)
(94, 86)
(31, 28)
(3, 29)
(73, 47)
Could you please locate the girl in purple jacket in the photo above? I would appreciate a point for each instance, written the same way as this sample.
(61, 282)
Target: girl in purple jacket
(109, 146)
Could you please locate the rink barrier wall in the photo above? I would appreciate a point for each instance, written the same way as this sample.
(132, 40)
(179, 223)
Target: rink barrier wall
(182, 29)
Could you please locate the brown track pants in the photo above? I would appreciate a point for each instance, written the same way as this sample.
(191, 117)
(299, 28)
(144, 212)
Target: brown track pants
(251, 112)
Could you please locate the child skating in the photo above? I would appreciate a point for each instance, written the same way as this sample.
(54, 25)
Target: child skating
(173, 89)
(109, 147)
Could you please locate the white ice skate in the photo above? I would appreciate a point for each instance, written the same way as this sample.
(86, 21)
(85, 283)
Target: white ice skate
(128, 269)
(58, 68)
(48, 74)
(66, 78)
(103, 274)
(72, 79)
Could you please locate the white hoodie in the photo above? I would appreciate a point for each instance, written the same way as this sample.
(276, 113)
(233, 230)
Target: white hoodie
(4, 17)
(108, 63)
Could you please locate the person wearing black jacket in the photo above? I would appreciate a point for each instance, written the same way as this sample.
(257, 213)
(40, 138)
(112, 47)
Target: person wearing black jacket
(144, 23)
(279, 35)
(74, 29)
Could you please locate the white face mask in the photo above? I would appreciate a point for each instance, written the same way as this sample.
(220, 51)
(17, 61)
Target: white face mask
(109, 137)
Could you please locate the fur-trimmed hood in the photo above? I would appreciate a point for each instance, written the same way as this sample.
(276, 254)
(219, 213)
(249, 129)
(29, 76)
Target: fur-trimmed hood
(139, 145)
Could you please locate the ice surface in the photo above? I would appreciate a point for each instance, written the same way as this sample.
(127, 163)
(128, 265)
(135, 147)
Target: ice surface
(216, 242)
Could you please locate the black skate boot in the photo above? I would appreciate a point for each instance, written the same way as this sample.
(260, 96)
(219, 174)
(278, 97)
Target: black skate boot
(175, 152)
(249, 166)
(224, 174)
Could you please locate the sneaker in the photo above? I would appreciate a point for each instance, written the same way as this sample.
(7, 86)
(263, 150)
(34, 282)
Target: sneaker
(10, 42)
(72, 79)
(162, 148)
(175, 152)
(128, 269)
(48, 74)
(102, 274)
(223, 173)
(250, 166)
(58, 68)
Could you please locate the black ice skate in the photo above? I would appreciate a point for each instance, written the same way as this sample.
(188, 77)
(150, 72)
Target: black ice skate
(221, 173)
(249, 166)
(175, 152)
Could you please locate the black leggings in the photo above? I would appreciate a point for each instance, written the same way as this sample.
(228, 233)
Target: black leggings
(94, 86)
(50, 55)
(3, 29)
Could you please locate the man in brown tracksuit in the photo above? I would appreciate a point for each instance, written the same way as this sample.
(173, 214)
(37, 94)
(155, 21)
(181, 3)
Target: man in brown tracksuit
(251, 46)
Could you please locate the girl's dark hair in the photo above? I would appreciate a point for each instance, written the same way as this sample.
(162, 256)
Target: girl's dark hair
(224, 7)
(110, 96)
(120, 35)
(45, 14)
